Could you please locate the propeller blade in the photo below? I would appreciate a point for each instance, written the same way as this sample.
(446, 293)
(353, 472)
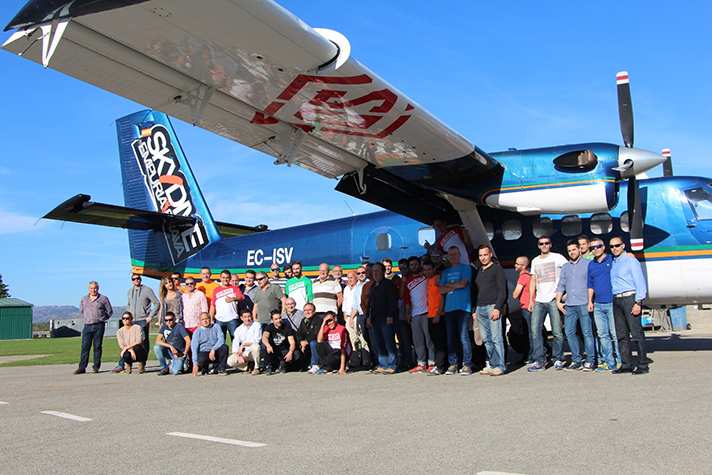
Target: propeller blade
(635, 215)
(625, 108)
(667, 164)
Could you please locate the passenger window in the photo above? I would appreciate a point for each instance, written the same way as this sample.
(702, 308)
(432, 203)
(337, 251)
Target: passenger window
(426, 234)
(701, 202)
(384, 242)
(543, 227)
(571, 225)
(489, 229)
(625, 224)
(601, 223)
(511, 230)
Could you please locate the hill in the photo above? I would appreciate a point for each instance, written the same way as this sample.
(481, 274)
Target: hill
(55, 312)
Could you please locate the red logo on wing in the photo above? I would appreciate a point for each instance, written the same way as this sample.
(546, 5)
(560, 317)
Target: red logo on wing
(331, 112)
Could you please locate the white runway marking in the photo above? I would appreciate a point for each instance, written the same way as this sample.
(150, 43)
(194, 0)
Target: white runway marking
(216, 439)
(64, 415)
(3, 402)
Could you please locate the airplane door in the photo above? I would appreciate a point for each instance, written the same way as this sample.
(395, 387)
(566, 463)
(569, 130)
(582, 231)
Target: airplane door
(384, 241)
(698, 213)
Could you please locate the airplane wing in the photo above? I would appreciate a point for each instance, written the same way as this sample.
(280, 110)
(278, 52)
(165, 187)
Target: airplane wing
(80, 209)
(254, 73)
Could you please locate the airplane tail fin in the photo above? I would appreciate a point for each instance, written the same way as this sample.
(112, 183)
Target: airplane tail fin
(157, 177)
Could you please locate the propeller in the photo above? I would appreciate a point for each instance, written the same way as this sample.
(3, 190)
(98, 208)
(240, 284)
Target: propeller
(667, 164)
(625, 113)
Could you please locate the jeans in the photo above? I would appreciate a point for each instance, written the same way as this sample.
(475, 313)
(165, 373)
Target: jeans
(163, 353)
(491, 332)
(579, 313)
(540, 311)
(527, 316)
(456, 323)
(220, 362)
(229, 326)
(602, 315)
(424, 348)
(93, 333)
(383, 337)
(405, 342)
(313, 355)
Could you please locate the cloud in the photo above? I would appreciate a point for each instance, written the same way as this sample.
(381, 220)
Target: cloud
(18, 223)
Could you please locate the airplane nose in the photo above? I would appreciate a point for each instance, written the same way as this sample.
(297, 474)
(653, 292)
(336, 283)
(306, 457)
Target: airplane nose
(643, 160)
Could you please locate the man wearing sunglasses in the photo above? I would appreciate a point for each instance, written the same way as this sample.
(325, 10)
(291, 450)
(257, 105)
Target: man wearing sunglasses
(546, 268)
(268, 297)
(600, 302)
(629, 291)
(171, 343)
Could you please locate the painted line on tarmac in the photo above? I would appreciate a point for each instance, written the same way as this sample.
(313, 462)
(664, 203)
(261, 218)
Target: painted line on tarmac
(497, 473)
(64, 415)
(3, 402)
(209, 438)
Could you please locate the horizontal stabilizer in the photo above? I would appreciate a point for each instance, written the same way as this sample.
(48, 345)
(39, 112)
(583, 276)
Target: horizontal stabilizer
(80, 209)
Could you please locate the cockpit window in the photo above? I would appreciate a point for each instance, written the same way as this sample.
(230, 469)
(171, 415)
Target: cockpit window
(701, 202)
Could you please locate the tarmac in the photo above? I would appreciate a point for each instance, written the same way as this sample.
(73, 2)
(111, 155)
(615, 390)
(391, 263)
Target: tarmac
(552, 422)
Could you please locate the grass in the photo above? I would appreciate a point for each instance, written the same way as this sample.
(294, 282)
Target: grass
(61, 351)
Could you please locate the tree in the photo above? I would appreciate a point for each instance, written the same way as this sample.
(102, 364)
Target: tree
(3, 290)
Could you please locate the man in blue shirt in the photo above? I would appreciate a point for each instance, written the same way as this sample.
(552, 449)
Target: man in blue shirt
(600, 302)
(172, 342)
(455, 287)
(208, 347)
(573, 282)
(629, 291)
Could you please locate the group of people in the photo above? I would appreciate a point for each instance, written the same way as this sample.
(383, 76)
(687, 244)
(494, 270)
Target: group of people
(437, 316)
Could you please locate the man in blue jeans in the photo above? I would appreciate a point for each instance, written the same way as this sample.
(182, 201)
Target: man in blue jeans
(546, 268)
(574, 283)
(95, 310)
(382, 312)
(600, 302)
(172, 342)
(491, 297)
(455, 287)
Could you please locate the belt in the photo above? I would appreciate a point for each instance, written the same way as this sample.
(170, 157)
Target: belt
(625, 294)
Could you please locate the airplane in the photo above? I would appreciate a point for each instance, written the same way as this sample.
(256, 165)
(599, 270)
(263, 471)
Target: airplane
(256, 74)
(171, 228)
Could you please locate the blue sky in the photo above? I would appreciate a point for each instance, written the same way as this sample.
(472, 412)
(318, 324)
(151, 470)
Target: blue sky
(502, 74)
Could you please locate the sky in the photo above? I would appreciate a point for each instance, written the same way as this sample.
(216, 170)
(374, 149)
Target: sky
(502, 74)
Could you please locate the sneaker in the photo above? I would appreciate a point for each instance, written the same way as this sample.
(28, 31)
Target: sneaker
(418, 369)
(429, 368)
(164, 372)
(603, 368)
(94, 369)
(559, 365)
(320, 371)
(79, 371)
(536, 367)
(496, 372)
(213, 371)
(435, 371)
(465, 371)
(255, 372)
(528, 362)
(389, 371)
(281, 370)
(313, 369)
(222, 372)
(587, 367)
(451, 370)
(486, 370)
(574, 367)
(378, 370)
(118, 369)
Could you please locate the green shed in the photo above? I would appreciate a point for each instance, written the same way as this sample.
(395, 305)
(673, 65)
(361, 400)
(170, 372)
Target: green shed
(15, 319)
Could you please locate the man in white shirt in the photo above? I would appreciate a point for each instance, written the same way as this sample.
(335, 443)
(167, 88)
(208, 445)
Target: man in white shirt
(246, 345)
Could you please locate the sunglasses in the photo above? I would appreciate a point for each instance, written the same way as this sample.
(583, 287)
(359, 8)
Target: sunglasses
(274, 270)
(136, 278)
(169, 320)
(260, 279)
(597, 246)
(360, 273)
(616, 246)
(545, 244)
(190, 283)
(125, 318)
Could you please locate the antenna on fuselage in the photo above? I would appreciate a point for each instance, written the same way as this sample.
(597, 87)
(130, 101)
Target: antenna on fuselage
(352, 211)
